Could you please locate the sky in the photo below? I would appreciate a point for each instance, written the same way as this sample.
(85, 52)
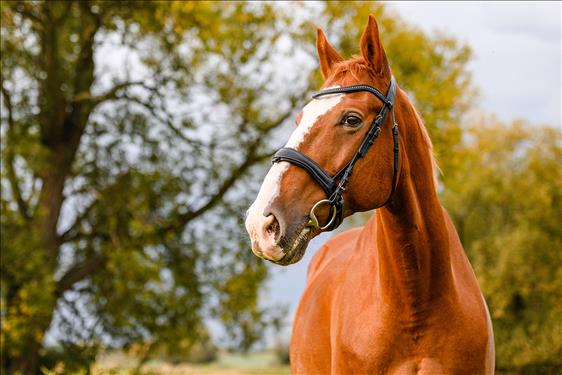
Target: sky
(516, 52)
(516, 66)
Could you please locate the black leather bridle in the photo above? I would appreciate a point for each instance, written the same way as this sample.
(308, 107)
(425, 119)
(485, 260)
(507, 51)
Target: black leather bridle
(330, 185)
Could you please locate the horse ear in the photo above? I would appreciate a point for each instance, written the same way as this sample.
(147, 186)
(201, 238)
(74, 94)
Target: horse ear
(327, 54)
(371, 48)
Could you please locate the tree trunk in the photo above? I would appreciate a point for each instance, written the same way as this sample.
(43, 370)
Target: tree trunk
(27, 364)
(62, 125)
(45, 242)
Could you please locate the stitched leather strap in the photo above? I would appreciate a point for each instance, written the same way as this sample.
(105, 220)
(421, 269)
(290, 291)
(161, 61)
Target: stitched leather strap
(318, 174)
(355, 88)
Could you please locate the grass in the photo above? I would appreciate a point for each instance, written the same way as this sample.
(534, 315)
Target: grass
(118, 363)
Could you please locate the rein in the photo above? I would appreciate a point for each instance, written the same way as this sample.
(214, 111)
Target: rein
(334, 189)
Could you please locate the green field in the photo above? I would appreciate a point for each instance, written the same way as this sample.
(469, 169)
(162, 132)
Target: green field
(232, 364)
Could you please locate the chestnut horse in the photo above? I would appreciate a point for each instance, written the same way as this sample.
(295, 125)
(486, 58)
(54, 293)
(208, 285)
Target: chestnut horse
(397, 296)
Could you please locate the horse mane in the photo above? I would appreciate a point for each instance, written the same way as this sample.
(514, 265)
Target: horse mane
(435, 170)
(356, 66)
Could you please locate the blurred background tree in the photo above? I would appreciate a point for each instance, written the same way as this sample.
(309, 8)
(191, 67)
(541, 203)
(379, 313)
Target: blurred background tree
(504, 193)
(126, 129)
(134, 136)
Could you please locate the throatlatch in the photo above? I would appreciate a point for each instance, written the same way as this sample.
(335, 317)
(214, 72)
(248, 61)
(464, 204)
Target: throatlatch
(335, 185)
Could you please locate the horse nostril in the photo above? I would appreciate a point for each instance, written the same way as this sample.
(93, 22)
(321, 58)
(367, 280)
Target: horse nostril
(272, 226)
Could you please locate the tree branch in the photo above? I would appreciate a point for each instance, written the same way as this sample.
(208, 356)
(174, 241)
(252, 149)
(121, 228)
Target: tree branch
(166, 121)
(110, 94)
(252, 157)
(79, 272)
(225, 186)
(10, 170)
(73, 232)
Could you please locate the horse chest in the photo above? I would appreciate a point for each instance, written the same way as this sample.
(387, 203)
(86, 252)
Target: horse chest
(339, 316)
(343, 326)
(367, 332)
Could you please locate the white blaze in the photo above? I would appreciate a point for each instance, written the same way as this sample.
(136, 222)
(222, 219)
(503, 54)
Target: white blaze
(255, 221)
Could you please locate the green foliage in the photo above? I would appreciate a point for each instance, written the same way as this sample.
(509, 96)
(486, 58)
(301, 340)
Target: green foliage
(282, 353)
(505, 197)
(68, 358)
(185, 351)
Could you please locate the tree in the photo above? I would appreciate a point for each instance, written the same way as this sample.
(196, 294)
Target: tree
(132, 133)
(109, 175)
(505, 196)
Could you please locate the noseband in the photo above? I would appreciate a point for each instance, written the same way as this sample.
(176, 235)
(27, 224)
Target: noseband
(334, 189)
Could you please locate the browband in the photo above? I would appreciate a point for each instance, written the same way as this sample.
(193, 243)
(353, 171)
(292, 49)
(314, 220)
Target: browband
(326, 182)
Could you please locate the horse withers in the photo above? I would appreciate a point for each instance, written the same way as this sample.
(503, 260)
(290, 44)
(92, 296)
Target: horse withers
(397, 296)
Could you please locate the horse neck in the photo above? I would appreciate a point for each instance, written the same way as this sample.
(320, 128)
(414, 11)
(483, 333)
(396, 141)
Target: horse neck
(412, 256)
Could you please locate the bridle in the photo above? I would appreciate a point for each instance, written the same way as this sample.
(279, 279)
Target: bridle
(334, 189)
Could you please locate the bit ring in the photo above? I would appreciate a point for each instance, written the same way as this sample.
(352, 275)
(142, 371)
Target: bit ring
(313, 220)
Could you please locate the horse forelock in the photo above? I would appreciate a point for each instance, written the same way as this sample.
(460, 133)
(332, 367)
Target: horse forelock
(356, 66)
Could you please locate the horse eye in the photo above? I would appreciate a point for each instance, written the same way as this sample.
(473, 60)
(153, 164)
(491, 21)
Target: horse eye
(352, 121)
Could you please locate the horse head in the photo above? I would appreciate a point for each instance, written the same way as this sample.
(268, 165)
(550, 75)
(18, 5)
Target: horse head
(331, 166)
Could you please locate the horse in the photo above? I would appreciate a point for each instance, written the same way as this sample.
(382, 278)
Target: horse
(398, 295)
